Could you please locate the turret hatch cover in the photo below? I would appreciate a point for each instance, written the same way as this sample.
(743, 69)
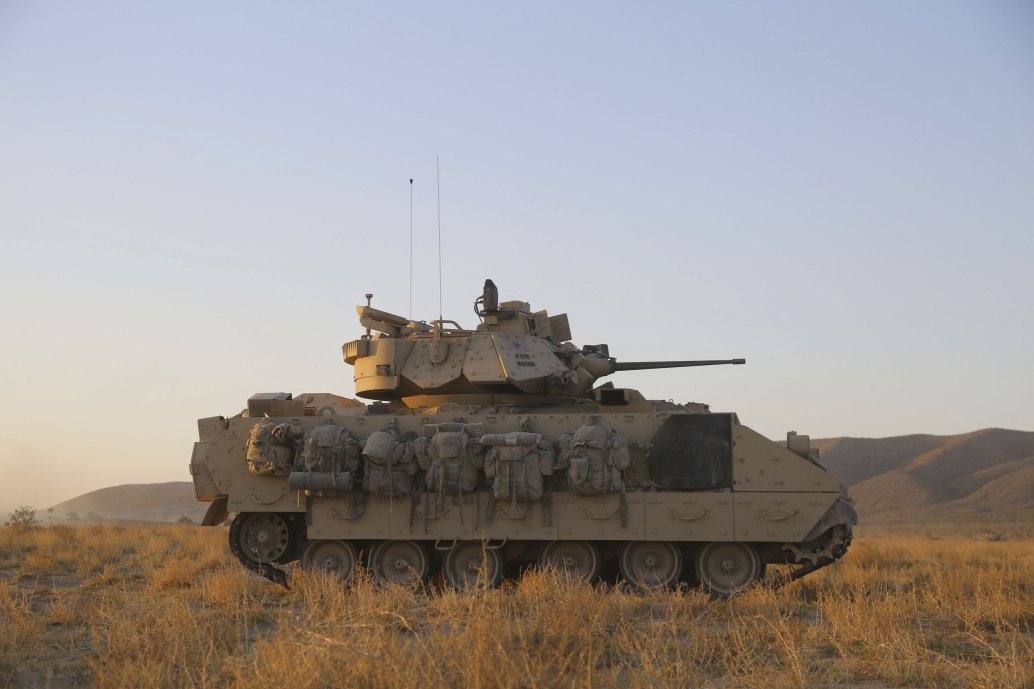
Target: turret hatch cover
(432, 365)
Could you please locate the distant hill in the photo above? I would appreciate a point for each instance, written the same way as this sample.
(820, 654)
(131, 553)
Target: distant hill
(157, 502)
(924, 476)
(991, 470)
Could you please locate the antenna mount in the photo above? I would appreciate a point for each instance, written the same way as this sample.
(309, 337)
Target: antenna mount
(490, 298)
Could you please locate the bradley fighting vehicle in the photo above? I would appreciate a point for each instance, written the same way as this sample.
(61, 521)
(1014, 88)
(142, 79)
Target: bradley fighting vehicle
(489, 448)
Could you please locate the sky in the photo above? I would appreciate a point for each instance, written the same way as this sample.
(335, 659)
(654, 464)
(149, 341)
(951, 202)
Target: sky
(195, 196)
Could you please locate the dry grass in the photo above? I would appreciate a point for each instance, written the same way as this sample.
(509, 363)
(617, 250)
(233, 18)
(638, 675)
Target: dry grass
(108, 606)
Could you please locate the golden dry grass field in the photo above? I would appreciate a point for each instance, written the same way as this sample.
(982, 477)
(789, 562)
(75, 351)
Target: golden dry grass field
(165, 606)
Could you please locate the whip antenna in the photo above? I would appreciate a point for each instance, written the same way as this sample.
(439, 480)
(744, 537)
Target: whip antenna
(438, 182)
(410, 249)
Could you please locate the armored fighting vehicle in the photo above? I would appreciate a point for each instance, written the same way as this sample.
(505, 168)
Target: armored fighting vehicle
(488, 449)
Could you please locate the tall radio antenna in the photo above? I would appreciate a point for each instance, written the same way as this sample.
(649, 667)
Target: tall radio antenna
(438, 182)
(411, 249)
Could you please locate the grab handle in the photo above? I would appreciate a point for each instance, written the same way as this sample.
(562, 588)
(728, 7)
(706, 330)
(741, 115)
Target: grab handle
(777, 519)
(259, 501)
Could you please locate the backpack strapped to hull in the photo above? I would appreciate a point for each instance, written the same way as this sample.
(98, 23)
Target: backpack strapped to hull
(516, 463)
(327, 463)
(451, 457)
(390, 464)
(595, 457)
(329, 448)
(271, 447)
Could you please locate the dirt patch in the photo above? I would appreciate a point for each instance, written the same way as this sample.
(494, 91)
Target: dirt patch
(31, 679)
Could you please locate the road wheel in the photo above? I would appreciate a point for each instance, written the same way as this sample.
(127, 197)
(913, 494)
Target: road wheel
(579, 559)
(400, 562)
(727, 568)
(333, 557)
(651, 565)
(469, 565)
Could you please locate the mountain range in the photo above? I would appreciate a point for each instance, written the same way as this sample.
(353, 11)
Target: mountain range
(990, 470)
(147, 502)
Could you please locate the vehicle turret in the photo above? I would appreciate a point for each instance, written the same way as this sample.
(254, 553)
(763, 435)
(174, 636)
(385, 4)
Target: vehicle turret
(514, 356)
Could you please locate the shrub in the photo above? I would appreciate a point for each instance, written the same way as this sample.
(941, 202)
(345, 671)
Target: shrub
(23, 518)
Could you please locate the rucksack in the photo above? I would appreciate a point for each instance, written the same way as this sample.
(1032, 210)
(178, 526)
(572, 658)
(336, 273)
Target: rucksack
(516, 463)
(451, 457)
(389, 466)
(594, 455)
(329, 448)
(271, 447)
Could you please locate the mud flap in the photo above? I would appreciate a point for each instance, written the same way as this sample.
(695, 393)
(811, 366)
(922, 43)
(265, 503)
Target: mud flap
(842, 512)
(216, 513)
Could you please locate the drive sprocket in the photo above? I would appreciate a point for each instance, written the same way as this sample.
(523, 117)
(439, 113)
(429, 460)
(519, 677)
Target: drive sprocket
(829, 546)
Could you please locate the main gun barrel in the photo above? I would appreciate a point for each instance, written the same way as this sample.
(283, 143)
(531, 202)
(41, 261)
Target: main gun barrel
(647, 365)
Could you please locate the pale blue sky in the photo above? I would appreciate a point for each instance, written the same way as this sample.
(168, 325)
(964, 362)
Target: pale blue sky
(193, 197)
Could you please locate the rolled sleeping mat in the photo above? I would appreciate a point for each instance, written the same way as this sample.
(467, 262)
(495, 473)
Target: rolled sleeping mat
(515, 438)
(320, 480)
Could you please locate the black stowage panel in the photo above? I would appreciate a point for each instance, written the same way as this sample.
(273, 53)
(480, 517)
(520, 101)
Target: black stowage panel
(693, 452)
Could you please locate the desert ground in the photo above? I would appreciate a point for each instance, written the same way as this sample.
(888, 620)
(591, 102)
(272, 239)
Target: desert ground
(166, 606)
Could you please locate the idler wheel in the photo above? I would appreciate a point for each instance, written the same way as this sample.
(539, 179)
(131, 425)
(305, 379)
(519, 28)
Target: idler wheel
(400, 562)
(334, 557)
(651, 565)
(727, 568)
(470, 566)
(578, 559)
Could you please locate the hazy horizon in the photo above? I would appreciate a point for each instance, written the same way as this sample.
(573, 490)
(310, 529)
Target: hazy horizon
(98, 507)
(193, 198)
